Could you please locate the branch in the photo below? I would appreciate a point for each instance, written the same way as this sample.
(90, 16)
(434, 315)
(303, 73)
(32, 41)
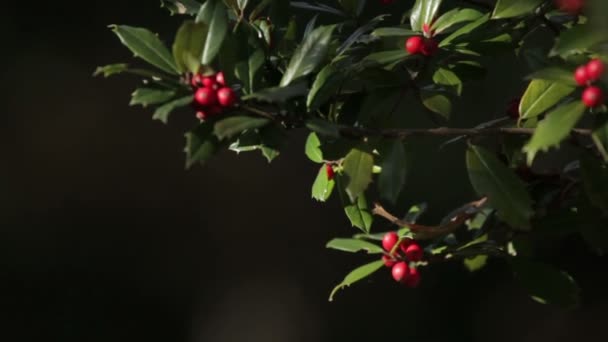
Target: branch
(422, 232)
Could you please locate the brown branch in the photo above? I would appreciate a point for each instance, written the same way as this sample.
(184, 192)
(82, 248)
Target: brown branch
(422, 232)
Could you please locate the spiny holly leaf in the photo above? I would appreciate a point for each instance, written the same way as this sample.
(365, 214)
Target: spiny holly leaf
(358, 166)
(394, 170)
(234, 125)
(201, 145)
(546, 284)
(323, 186)
(147, 46)
(162, 112)
(423, 12)
(595, 180)
(148, 96)
(188, 46)
(354, 246)
(542, 95)
(359, 214)
(112, 69)
(554, 128)
(453, 18)
(578, 39)
(514, 8)
(356, 275)
(437, 103)
(505, 191)
(213, 15)
(554, 74)
(309, 54)
(313, 148)
(190, 7)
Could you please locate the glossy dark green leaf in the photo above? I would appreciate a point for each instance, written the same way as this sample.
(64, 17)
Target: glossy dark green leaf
(357, 167)
(545, 284)
(554, 74)
(356, 275)
(354, 246)
(600, 139)
(229, 127)
(448, 79)
(541, 96)
(213, 14)
(149, 96)
(188, 46)
(112, 69)
(453, 18)
(595, 180)
(514, 8)
(505, 191)
(147, 46)
(247, 71)
(437, 103)
(578, 39)
(162, 113)
(190, 7)
(359, 214)
(313, 148)
(322, 186)
(387, 57)
(554, 128)
(394, 170)
(279, 94)
(393, 32)
(323, 127)
(464, 31)
(423, 12)
(327, 82)
(309, 55)
(201, 145)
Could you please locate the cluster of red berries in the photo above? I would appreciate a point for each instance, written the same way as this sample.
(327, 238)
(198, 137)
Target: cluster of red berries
(211, 95)
(585, 75)
(417, 45)
(401, 271)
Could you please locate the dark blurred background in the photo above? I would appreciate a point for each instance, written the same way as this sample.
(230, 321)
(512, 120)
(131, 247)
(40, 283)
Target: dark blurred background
(105, 236)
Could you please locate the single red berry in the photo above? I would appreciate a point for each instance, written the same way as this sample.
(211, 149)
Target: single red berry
(430, 47)
(226, 96)
(209, 82)
(595, 69)
(593, 96)
(389, 240)
(413, 278)
(414, 252)
(219, 78)
(388, 261)
(201, 115)
(414, 45)
(330, 171)
(400, 271)
(581, 76)
(196, 81)
(205, 96)
(570, 6)
(513, 108)
(405, 243)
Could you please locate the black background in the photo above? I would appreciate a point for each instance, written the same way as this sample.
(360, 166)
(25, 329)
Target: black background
(105, 236)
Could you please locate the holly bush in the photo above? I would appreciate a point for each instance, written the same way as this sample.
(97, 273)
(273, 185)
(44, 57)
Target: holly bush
(251, 72)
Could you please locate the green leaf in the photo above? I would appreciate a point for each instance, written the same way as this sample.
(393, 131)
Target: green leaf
(213, 15)
(148, 96)
(190, 7)
(247, 71)
(600, 139)
(354, 246)
(393, 32)
(514, 8)
(437, 103)
(394, 171)
(162, 113)
(475, 263)
(455, 17)
(359, 214)
(323, 127)
(356, 275)
(279, 94)
(423, 12)
(326, 83)
(323, 186)
(542, 95)
(357, 166)
(188, 46)
(464, 31)
(546, 284)
(112, 69)
(578, 39)
(147, 46)
(313, 148)
(201, 145)
(387, 57)
(448, 78)
(309, 54)
(505, 191)
(554, 128)
(595, 181)
(351, 6)
(235, 125)
(554, 74)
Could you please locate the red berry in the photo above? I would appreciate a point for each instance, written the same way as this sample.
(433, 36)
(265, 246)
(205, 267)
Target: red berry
(201, 115)
(219, 78)
(414, 45)
(226, 96)
(595, 69)
(430, 47)
(389, 240)
(400, 271)
(205, 96)
(209, 82)
(388, 261)
(414, 252)
(413, 278)
(593, 96)
(330, 171)
(581, 76)
(570, 6)
(196, 81)
(405, 243)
